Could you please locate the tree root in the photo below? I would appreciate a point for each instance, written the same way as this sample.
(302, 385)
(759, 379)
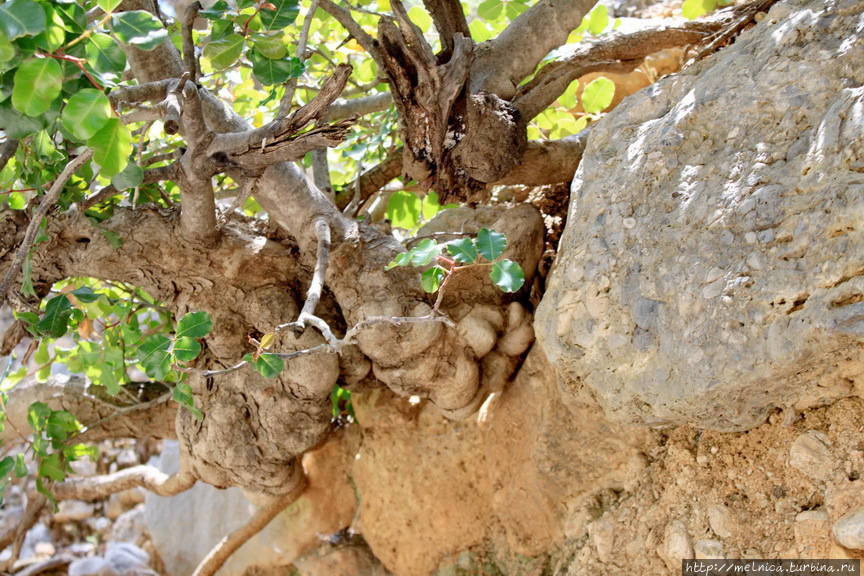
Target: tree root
(230, 543)
(147, 477)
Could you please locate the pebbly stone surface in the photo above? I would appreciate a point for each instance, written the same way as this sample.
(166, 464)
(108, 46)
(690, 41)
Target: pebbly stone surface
(710, 271)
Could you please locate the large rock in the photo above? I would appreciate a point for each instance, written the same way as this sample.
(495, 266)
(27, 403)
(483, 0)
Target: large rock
(710, 270)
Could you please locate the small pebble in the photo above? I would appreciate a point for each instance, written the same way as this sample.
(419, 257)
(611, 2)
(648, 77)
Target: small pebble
(849, 530)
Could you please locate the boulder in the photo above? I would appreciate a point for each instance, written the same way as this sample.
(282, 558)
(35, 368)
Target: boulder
(709, 272)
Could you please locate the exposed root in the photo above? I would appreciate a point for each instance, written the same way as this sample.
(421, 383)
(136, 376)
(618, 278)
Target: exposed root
(230, 543)
(147, 477)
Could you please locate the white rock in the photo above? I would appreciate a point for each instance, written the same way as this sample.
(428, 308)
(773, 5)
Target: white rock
(720, 520)
(125, 556)
(38, 534)
(602, 534)
(73, 511)
(131, 527)
(709, 550)
(849, 530)
(93, 566)
(810, 454)
(676, 545)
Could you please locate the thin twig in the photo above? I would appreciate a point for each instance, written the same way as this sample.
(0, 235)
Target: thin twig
(190, 62)
(241, 198)
(291, 85)
(230, 543)
(33, 228)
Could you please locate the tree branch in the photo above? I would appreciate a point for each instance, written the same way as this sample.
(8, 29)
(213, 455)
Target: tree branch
(449, 20)
(230, 543)
(148, 477)
(7, 151)
(371, 181)
(16, 533)
(549, 162)
(503, 62)
(619, 53)
(33, 228)
(158, 174)
(189, 60)
(358, 106)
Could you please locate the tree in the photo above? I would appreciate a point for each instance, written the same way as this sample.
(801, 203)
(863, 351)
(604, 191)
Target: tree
(157, 211)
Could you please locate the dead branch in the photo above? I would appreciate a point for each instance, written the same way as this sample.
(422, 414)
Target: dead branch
(33, 228)
(291, 84)
(230, 543)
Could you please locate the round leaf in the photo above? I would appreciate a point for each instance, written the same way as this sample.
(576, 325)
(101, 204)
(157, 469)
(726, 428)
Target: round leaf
(431, 279)
(269, 71)
(154, 357)
(104, 54)
(139, 28)
(507, 275)
(21, 18)
(424, 252)
(490, 244)
(598, 95)
(86, 113)
(463, 250)
(111, 145)
(37, 83)
(186, 349)
(131, 177)
(403, 210)
(224, 52)
(268, 365)
(285, 13)
(194, 325)
(270, 46)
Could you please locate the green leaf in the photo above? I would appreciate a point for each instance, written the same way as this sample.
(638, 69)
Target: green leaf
(194, 325)
(51, 467)
(284, 15)
(7, 50)
(270, 46)
(154, 356)
(598, 95)
(218, 11)
(21, 18)
(421, 18)
(87, 111)
(431, 279)
(403, 210)
(55, 322)
(598, 20)
(104, 54)
(463, 250)
(507, 275)
(224, 52)
(6, 467)
(27, 272)
(78, 451)
(16, 124)
(269, 71)
(138, 28)
(268, 365)
(37, 83)
(37, 416)
(108, 5)
(85, 295)
(131, 177)
(568, 98)
(491, 244)
(490, 10)
(60, 424)
(111, 145)
(402, 259)
(20, 466)
(692, 9)
(54, 35)
(425, 252)
(186, 349)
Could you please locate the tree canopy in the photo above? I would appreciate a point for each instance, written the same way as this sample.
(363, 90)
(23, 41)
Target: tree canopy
(220, 206)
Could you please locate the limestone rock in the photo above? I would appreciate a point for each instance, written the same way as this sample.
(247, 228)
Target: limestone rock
(720, 521)
(131, 527)
(93, 566)
(73, 511)
(424, 489)
(812, 534)
(708, 550)
(849, 530)
(811, 455)
(676, 546)
(707, 272)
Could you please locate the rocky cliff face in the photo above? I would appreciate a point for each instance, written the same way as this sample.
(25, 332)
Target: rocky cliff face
(708, 272)
(695, 390)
